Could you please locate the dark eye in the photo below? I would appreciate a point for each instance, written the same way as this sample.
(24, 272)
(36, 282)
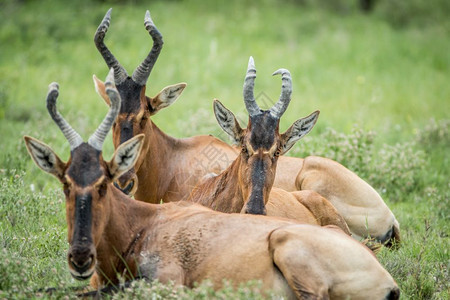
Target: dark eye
(66, 189)
(102, 189)
(244, 150)
(143, 121)
(277, 153)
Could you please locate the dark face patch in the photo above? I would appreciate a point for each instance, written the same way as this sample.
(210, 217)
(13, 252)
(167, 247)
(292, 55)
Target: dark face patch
(255, 205)
(262, 135)
(126, 131)
(131, 105)
(130, 93)
(83, 219)
(264, 128)
(85, 167)
(81, 254)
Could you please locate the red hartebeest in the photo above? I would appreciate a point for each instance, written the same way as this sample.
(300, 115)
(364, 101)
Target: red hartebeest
(111, 234)
(246, 185)
(169, 168)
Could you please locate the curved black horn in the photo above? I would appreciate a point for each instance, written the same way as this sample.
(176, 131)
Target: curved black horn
(140, 75)
(286, 90)
(71, 135)
(96, 140)
(119, 72)
(249, 84)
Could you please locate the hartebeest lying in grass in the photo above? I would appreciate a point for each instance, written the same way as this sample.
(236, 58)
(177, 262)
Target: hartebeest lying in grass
(246, 185)
(169, 168)
(111, 234)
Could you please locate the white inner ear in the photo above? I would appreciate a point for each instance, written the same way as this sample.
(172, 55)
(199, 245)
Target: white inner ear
(299, 129)
(126, 156)
(226, 120)
(44, 157)
(169, 94)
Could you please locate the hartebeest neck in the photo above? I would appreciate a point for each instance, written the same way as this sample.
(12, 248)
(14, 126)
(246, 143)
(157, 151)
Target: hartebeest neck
(129, 227)
(121, 237)
(158, 156)
(223, 192)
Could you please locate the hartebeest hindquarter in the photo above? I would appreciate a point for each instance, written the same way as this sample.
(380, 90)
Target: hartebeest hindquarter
(169, 168)
(112, 235)
(246, 185)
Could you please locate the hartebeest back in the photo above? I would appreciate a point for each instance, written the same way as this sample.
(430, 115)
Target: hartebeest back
(169, 168)
(111, 234)
(246, 185)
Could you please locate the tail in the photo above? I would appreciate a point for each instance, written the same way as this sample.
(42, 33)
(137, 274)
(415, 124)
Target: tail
(394, 241)
(392, 238)
(372, 244)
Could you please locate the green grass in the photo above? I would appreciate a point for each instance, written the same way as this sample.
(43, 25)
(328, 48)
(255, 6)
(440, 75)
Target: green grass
(380, 81)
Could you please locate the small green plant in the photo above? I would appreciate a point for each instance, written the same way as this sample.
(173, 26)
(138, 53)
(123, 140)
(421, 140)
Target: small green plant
(15, 277)
(354, 150)
(424, 276)
(141, 289)
(435, 133)
(397, 170)
(393, 170)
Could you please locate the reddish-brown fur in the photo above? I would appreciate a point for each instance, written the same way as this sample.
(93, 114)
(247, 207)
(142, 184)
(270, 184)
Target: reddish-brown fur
(254, 171)
(112, 235)
(169, 168)
(186, 243)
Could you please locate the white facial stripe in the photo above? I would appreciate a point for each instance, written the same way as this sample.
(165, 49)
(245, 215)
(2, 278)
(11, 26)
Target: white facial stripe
(140, 115)
(268, 152)
(250, 149)
(99, 181)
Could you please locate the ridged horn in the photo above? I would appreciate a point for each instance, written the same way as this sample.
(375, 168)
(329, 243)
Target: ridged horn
(286, 90)
(96, 140)
(119, 72)
(249, 84)
(140, 75)
(71, 135)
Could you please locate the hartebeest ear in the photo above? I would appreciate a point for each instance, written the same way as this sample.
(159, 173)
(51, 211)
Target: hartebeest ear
(298, 130)
(125, 156)
(166, 97)
(100, 89)
(44, 157)
(228, 122)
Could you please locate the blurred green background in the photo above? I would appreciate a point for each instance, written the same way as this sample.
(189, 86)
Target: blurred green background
(386, 70)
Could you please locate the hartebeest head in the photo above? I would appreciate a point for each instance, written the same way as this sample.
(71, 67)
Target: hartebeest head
(86, 178)
(261, 141)
(136, 108)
